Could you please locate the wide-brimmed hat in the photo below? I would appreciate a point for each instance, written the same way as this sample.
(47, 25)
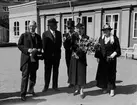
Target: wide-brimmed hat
(106, 27)
(52, 21)
(79, 25)
(70, 24)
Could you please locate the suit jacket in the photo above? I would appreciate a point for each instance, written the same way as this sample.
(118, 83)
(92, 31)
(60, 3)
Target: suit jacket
(68, 42)
(24, 43)
(51, 45)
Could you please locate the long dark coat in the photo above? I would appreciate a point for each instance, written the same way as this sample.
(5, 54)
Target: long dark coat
(24, 43)
(77, 75)
(106, 71)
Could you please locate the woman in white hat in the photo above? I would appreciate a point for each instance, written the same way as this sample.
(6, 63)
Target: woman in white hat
(107, 59)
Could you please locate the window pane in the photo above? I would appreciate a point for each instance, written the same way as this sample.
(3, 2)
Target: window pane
(14, 24)
(17, 28)
(115, 25)
(17, 23)
(108, 18)
(135, 16)
(17, 33)
(115, 18)
(25, 23)
(135, 33)
(89, 19)
(70, 19)
(135, 26)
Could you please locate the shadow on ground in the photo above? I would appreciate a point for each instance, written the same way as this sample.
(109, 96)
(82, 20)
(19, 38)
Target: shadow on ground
(14, 99)
(121, 89)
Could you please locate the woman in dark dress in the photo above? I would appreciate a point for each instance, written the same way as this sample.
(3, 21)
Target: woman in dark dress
(106, 55)
(78, 63)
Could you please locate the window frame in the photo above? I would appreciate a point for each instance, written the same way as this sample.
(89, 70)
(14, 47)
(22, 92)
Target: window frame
(133, 36)
(16, 28)
(27, 25)
(65, 29)
(112, 23)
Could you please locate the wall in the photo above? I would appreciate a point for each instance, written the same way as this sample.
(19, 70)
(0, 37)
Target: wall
(21, 13)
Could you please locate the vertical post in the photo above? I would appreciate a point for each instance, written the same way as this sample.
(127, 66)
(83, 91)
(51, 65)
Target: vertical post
(72, 9)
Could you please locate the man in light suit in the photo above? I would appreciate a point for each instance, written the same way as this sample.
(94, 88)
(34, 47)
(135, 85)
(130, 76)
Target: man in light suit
(52, 42)
(30, 45)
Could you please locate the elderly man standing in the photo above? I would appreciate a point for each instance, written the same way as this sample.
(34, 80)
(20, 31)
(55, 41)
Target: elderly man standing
(52, 42)
(30, 45)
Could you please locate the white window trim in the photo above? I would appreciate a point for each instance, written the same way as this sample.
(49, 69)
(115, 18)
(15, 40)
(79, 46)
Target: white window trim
(27, 25)
(134, 25)
(66, 23)
(118, 21)
(16, 31)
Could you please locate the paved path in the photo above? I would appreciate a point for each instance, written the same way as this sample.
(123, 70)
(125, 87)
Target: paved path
(10, 77)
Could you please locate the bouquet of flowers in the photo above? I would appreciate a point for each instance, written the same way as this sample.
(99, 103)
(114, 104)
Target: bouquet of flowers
(87, 45)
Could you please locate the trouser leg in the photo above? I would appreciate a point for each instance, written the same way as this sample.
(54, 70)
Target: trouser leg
(55, 73)
(24, 80)
(47, 75)
(67, 57)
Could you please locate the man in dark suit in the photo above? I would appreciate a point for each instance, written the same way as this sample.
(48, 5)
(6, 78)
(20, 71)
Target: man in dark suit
(67, 42)
(30, 45)
(52, 42)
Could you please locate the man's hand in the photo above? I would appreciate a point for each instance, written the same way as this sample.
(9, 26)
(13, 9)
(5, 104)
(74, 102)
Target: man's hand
(30, 50)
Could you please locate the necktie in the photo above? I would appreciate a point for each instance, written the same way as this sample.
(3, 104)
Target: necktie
(54, 34)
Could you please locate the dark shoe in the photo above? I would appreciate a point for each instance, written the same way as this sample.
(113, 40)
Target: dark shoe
(23, 98)
(56, 89)
(76, 92)
(82, 96)
(70, 86)
(33, 93)
(44, 90)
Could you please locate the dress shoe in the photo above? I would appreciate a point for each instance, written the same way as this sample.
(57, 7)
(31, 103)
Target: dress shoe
(56, 89)
(112, 93)
(104, 91)
(76, 92)
(82, 95)
(32, 92)
(23, 98)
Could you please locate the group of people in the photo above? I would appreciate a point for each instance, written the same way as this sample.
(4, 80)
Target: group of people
(48, 48)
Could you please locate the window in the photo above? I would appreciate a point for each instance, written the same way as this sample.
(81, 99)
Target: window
(135, 26)
(65, 24)
(113, 21)
(89, 19)
(5, 8)
(27, 26)
(16, 28)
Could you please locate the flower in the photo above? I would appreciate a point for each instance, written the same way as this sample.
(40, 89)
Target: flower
(87, 45)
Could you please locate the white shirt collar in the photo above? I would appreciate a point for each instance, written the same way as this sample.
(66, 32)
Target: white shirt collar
(53, 32)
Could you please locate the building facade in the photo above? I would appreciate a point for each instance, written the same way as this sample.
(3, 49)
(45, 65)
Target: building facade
(120, 14)
(19, 16)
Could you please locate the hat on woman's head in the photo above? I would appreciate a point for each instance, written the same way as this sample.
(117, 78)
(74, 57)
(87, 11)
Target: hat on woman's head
(70, 24)
(79, 25)
(52, 21)
(106, 27)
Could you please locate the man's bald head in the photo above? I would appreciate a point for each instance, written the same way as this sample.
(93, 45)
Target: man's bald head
(32, 26)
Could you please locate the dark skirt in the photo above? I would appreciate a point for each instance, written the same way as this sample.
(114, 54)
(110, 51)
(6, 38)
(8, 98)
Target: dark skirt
(77, 72)
(106, 74)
